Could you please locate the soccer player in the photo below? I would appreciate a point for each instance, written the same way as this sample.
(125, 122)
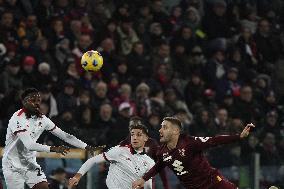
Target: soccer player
(183, 155)
(24, 128)
(127, 163)
(151, 147)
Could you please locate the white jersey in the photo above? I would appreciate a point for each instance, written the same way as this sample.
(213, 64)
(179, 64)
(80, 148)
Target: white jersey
(126, 166)
(16, 155)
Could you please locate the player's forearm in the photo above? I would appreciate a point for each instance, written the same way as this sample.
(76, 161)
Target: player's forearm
(208, 142)
(39, 147)
(153, 171)
(90, 163)
(164, 178)
(224, 139)
(68, 138)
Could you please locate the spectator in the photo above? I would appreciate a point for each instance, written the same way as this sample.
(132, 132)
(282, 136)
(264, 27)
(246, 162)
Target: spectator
(268, 151)
(10, 78)
(142, 100)
(104, 125)
(66, 98)
(50, 101)
(215, 22)
(246, 107)
(58, 179)
(248, 148)
(28, 74)
(127, 35)
(268, 46)
(100, 95)
(221, 124)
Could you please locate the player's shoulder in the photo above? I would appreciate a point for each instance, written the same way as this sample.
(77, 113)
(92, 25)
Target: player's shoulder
(46, 119)
(119, 149)
(19, 115)
(148, 159)
(162, 149)
(185, 138)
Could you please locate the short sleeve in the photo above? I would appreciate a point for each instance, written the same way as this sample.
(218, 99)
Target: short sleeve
(112, 154)
(49, 125)
(16, 124)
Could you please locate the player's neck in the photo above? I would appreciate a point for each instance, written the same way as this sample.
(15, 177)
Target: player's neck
(140, 149)
(173, 143)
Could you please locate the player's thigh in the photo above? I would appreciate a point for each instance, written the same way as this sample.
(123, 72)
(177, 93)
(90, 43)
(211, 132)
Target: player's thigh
(14, 180)
(224, 184)
(34, 177)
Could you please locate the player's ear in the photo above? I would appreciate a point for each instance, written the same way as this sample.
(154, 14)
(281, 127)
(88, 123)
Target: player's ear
(176, 130)
(146, 138)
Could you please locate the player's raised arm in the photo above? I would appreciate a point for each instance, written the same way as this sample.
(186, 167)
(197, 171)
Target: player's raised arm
(70, 139)
(109, 156)
(201, 143)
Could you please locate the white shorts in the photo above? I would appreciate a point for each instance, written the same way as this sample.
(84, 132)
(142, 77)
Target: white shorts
(17, 179)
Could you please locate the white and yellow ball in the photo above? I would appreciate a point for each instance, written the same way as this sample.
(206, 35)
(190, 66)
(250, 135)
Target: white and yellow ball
(92, 61)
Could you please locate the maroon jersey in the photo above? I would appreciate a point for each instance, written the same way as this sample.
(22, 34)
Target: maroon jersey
(188, 162)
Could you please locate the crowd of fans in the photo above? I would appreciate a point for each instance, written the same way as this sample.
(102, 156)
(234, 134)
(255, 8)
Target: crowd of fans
(215, 64)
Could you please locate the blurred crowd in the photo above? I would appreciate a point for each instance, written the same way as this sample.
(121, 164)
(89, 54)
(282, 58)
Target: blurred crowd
(215, 64)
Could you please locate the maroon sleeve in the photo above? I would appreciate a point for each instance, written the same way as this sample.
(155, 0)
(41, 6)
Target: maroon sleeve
(154, 170)
(202, 143)
(163, 175)
(153, 153)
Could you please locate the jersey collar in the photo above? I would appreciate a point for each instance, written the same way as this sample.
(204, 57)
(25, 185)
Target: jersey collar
(133, 151)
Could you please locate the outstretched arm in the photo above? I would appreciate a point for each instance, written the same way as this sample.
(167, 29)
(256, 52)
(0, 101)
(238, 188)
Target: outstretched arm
(31, 145)
(85, 168)
(202, 143)
(70, 139)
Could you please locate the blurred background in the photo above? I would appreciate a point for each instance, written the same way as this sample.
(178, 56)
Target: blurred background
(216, 64)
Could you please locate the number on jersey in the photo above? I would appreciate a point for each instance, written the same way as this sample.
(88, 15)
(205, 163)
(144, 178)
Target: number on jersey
(178, 167)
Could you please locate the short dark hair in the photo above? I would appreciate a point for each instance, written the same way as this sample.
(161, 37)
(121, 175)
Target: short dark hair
(135, 120)
(139, 126)
(28, 91)
(174, 121)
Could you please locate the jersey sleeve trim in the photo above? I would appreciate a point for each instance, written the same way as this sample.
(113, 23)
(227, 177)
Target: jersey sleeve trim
(19, 131)
(104, 155)
(21, 112)
(52, 129)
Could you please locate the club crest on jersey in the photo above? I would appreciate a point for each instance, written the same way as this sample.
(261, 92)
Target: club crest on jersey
(181, 152)
(40, 124)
